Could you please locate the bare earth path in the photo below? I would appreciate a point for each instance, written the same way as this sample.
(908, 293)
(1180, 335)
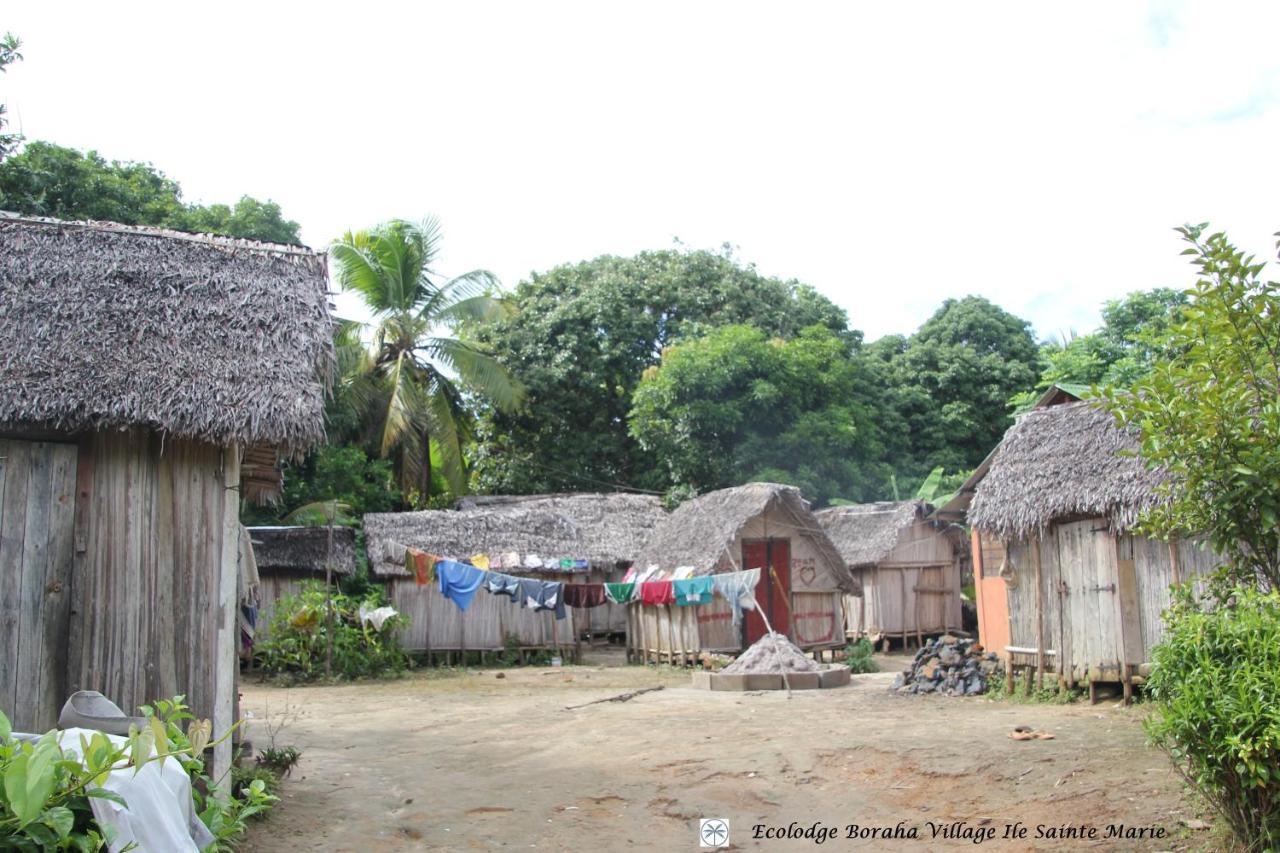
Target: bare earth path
(469, 761)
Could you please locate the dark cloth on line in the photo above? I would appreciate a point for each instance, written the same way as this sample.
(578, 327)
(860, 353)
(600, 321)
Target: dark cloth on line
(584, 594)
(500, 584)
(542, 595)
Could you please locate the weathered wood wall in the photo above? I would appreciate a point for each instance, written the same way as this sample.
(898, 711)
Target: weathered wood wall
(1101, 596)
(37, 504)
(126, 576)
(892, 602)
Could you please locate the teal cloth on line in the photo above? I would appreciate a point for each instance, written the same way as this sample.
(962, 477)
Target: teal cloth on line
(693, 591)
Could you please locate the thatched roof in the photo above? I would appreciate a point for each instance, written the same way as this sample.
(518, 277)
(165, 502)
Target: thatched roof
(699, 531)
(604, 529)
(109, 326)
(1062, 461)
(864, 534)
(302, 549)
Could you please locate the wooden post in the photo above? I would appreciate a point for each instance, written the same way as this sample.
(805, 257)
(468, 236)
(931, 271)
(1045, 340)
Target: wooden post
(916, 607)
(1175, 564)
(671, 632)
(644, 635)
(1035, 558)
(902, 585)
(862, 616)
(328, 594)
(225, 649)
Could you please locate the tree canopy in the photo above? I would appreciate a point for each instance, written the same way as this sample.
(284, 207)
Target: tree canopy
(580, 340)
(44, 179)
(9, 45)
(737, 405)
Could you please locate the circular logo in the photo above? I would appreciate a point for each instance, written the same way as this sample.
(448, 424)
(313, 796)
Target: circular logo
(714, 832)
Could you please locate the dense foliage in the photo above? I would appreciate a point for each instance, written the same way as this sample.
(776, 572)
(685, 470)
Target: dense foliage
(1216, 685)
(9, 54)
(1134, 334)
(1209, 412)
(951, 383)
(44, 179)
(580, 340)
(298, 640)
(735, 406)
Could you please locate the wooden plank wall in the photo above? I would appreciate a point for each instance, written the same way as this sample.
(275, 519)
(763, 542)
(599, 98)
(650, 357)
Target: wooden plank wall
(924, 557)
(37, 503)
(147, 586)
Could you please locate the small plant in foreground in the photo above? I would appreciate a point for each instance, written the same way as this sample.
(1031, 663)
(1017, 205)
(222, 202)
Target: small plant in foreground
(858, 656)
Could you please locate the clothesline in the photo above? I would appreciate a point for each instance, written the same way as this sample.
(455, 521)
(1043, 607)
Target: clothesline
(459, 581)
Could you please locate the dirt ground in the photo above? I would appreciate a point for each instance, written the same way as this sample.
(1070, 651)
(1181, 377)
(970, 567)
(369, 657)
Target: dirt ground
(471, 761)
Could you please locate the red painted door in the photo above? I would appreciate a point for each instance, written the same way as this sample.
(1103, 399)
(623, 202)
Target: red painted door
(773, 558)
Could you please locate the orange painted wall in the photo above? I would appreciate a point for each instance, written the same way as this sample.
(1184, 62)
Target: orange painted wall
(993, 601)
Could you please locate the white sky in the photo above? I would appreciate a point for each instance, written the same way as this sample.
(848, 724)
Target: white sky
(890, 154)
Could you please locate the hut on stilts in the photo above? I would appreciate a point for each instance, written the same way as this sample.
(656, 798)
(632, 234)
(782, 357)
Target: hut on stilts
(1064, 584)
(908, 566)
(757, 526)
(599, 536)
(147, 378)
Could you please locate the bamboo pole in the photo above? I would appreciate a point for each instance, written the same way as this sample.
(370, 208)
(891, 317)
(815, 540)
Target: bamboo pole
(328, 596)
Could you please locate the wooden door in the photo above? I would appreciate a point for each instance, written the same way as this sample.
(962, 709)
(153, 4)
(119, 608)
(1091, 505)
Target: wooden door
(1087, 562)
(773, 558)
(37, 519)
(992, 594)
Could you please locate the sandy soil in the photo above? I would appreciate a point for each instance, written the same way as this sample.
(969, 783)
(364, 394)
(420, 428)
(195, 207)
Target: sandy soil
(469, 761)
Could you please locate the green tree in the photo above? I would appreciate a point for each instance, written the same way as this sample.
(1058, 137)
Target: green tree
(1133, 336)
(8, 55)
(584, 335)
(951, 381)
(51, 180)
(737, 405)
(419, 376)
(1209, 412)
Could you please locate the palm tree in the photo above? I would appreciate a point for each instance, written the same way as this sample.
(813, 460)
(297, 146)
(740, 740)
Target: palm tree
(413, 379)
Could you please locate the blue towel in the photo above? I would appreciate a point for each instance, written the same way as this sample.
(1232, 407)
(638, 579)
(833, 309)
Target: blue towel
(459, 582)
(693, 590)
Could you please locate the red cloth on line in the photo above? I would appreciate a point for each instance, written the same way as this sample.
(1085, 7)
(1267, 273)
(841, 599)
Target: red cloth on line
(657, 592)
(584, 594)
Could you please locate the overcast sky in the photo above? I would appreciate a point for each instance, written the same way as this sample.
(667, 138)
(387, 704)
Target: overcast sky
(889, 154)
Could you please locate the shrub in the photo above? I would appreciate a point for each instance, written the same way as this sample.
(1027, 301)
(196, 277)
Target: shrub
(297, 642)
(44, 801)
(858, 655)
(1216, 686)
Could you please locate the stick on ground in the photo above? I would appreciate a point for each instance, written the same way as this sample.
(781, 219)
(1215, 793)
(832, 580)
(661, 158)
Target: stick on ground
(622, 697)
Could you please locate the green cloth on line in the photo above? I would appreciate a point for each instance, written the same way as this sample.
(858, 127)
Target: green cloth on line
(620, 593)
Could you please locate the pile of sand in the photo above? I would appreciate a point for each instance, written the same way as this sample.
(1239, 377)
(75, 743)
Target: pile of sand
(772, 653)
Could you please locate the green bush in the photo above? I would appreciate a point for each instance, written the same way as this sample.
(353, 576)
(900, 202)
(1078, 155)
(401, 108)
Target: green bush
(858, 655)
(1216, 687)
(44, 799)
(297, 640)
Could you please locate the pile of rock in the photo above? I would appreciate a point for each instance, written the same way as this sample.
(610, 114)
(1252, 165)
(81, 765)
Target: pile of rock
(772, 653)
(951, 665)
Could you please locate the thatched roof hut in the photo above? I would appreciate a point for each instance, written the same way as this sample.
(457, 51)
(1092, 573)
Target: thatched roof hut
(148, 380)
(1062, 461)
(604, 529)
(701, 531)
(109, 326)
(302, 550)
(864, 534)
(908, 565)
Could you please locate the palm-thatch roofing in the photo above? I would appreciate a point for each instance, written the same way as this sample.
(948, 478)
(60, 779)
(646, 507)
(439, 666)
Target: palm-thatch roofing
(606, 530)
(700, 531)
(110, 326)
(1063, 461)
(864, 534)
(302, 550)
